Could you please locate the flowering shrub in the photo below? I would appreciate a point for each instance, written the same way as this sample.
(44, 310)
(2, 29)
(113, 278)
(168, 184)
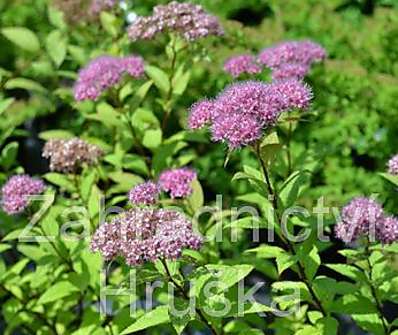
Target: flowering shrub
(165, 170)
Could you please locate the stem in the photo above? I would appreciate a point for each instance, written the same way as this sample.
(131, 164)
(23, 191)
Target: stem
(140, 148)
(286, 242)
(170, 92)
(67, 261)
(267, 178)
(185, 295)
(379, 305)
(289, 154)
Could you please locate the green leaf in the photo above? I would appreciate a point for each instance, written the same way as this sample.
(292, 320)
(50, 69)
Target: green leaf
(60, 180)
(110, 23)
(143, 90)
(292, 187)
(58, 291)
(56, 45)
(128, 180)
(94, 201)
(180, 82)
(347, 270)
(155, 317)
(228, 276)
(26, 84)
(107, 115)
(327, 326)
(9, 154)
(56, 134)
(87, 182)
(4, 104)
(152, 138)
(267, 251)
(22, 37)
(285, 261)
(56, 18)
(311, 262)
(269, 147)
(159, 77)
(196, 199)
(389, 177)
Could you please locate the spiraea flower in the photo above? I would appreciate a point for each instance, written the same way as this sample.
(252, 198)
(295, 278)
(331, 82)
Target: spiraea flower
(188, 20)
(177, 182)
(200, 114)
(76, 11)
(16, 192)
(297, 52)
(236, 129)
(239, 115)
(290, 71)
(68, 156)
(143, 234)
(98, 6)
(296, 93)
(393, 165)
(144, 194)
(238, 65)
(387, 232)
(105, 72)
(361, 217)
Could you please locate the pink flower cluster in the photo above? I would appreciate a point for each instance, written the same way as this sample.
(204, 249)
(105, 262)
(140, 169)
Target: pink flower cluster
(365, 217)
(243, 110)
(144, 194)
(16, 191)
(104, 72)
(177, 182)
(393, 165)
(291, 59)
(145, 234)
(188, 20)
(68, 156)
(98, 6)
(238, 65)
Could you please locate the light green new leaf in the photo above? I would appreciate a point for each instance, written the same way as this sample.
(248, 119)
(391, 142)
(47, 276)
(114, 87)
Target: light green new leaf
(110, 23)
(155, 317)
(196, 199)
(4, 104)
(311, 263)
(56, 45)
(9, 154)
(55, 133)
(152, 138)
(391, 178)
(22, 37)
(26, 84)
(60, 180)
(285, 261)
(159, 77)
(267, 251)
(58, 291)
